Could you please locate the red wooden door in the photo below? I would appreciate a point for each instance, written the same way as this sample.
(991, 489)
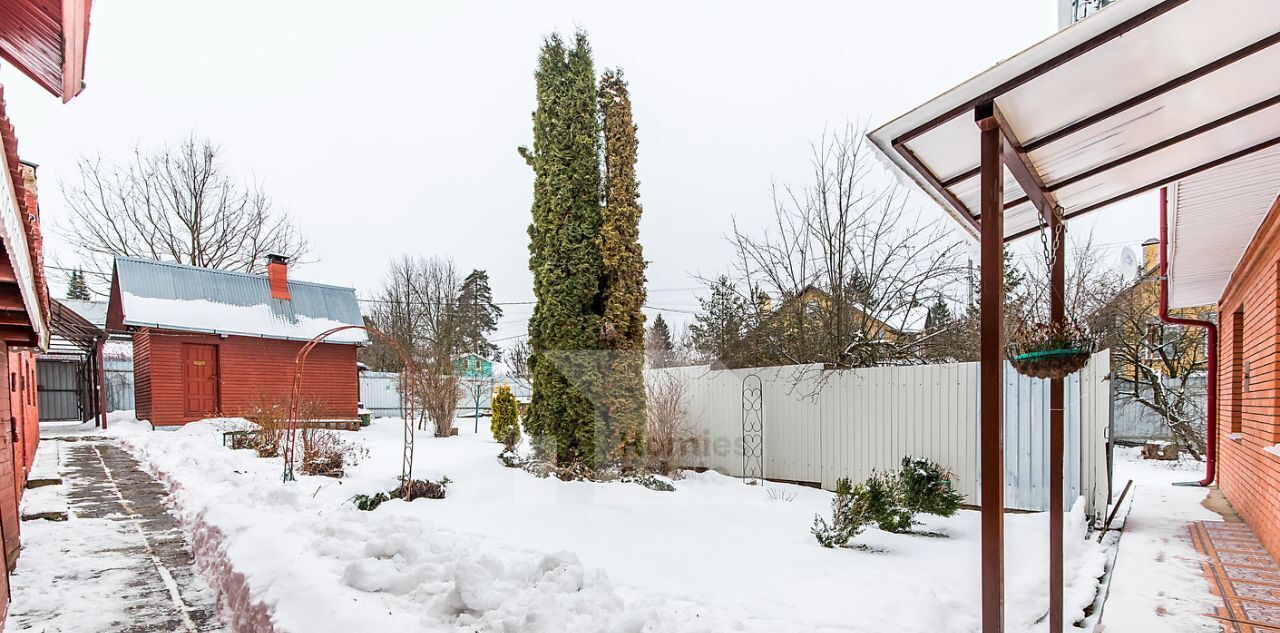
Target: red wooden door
(199, 379)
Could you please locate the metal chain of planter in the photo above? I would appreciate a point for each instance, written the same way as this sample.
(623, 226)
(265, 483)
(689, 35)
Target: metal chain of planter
(1060, 349)
(409, 393)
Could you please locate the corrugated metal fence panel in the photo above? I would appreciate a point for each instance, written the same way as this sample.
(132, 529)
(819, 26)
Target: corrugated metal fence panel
(120, 390)
(1135, 422)
(824, 425)
(380, 393)
(58, 389)
(1095, 408)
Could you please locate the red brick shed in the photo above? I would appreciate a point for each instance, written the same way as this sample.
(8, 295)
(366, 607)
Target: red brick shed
(210, 343)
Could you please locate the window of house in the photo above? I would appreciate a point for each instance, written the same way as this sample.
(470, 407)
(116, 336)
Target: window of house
(1238, 379)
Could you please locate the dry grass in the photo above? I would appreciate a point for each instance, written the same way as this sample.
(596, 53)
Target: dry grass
(272, 418)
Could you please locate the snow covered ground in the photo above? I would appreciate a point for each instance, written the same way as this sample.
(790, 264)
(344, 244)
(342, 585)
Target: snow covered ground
(507, 551)
(1158, 584)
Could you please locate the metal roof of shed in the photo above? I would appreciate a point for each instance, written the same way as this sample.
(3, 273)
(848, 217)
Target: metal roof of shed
(1140, 95)
(166, 295)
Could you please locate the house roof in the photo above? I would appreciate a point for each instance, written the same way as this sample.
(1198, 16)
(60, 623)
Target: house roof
(46, 40)
(164, 295)
(94, 312)
(1137, 96)
(21, 236)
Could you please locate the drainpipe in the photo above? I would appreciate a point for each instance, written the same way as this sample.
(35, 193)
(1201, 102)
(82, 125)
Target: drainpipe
(1211, 329)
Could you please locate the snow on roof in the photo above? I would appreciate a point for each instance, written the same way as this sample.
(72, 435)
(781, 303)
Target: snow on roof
(179, 297)
(94, 312)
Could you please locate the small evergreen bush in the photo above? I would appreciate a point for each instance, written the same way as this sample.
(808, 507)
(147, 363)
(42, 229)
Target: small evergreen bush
(880, 500)
(847, 518)
(925, 488)
(888, 500)
(505, 423)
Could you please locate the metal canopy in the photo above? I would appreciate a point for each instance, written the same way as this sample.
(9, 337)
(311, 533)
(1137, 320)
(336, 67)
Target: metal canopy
(1140, 95)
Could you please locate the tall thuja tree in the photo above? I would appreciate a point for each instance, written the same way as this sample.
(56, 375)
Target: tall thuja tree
(564, 254)
(478, 315)
(623, 288)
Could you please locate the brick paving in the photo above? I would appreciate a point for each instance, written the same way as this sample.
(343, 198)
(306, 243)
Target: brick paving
(1242, 574)
(137, 561)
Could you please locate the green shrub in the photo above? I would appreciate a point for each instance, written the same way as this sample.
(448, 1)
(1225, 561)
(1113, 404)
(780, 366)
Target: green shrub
(925, 488)
(879, 498)
(505, 423)
(847, 518)
(888, 500)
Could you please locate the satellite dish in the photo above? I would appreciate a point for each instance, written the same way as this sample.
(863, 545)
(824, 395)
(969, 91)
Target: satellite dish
(1128, 259)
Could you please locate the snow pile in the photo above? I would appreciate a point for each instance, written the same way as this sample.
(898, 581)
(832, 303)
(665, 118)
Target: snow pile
(321, 565)
(510, 552)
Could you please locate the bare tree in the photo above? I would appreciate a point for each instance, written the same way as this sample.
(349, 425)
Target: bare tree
(670, 441)
(176, 203)
(517, 358)
(1156, 365)
(417, 306)
(846, 271)
(1091, 284)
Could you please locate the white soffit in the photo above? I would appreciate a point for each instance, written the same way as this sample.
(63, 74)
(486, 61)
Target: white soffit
(1130, 99)
(1213, 217)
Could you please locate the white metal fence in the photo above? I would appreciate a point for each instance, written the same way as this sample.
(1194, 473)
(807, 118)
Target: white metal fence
(380, 393)
(821, 425)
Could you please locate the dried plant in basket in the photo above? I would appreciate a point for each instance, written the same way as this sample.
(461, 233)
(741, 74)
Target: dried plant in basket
(1045, 350)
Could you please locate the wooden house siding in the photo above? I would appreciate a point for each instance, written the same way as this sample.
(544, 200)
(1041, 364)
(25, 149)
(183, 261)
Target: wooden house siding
(142, 374)
(1249, 385)
(250, 371)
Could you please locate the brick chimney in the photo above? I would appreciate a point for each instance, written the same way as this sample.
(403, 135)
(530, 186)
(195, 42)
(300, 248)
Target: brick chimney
(278, 276)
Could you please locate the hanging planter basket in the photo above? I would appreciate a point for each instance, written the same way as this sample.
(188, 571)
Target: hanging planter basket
(1048, 351)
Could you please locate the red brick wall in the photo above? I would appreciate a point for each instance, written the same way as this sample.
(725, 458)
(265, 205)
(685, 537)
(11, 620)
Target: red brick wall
(250, 370)
(1249, 384)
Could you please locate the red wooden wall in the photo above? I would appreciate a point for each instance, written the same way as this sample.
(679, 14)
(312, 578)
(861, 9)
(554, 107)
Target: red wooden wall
(19, 435)
(1249, 385)
(250, 371)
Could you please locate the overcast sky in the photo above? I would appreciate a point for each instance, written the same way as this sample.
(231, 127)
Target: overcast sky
(391, 127)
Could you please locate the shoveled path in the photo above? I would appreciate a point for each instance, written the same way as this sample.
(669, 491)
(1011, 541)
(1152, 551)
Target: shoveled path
(120, 564)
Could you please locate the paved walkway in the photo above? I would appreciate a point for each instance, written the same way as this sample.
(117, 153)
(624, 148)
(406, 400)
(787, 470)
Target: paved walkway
(120, 564)
(1242, 574)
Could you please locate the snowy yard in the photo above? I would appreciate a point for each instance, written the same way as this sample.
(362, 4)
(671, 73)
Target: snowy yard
(507, 551)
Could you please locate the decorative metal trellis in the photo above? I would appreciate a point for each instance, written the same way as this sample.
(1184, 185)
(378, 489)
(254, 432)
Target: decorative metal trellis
(752, 429)
(408, 390)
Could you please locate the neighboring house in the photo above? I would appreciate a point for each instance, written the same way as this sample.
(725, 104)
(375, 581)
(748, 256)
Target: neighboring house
(213, 342)
(46, 42)
(472, 366)
(1143, 295)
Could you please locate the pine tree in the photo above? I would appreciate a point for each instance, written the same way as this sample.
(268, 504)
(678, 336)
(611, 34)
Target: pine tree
(623, 287)
(76, 287)
(479, 315)
(722, 321)
(564, 253)
(659, 344)
(939, 316)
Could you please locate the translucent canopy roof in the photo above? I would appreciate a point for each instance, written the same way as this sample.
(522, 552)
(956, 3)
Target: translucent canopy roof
(1135, 97)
